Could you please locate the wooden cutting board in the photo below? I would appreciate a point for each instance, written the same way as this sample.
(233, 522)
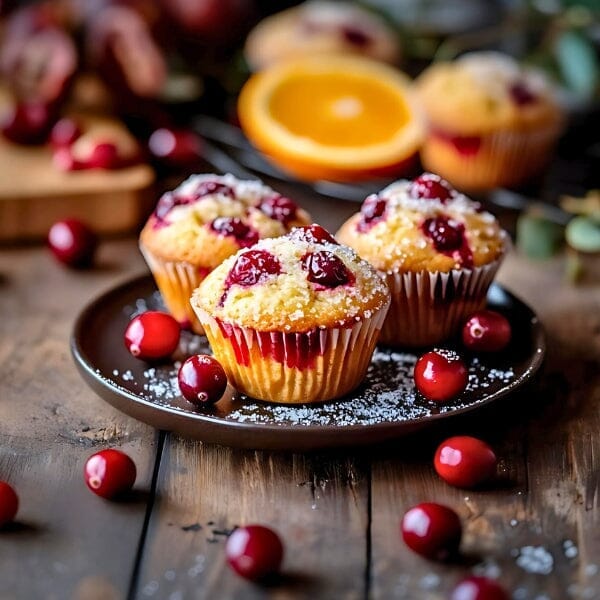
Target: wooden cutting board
(34, 194)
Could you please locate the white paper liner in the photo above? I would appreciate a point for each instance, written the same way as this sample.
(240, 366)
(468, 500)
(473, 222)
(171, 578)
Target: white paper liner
(428, 308)
(504, 157)
(176, 281)
(340, 358)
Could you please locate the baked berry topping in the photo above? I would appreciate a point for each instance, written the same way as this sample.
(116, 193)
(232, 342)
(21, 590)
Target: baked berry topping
(104, 155)
(253, 267)
(232, 226)
(73, 243)
(464, 461)
(313, 234)
(9, 503)
(479, 588)
(170, 200)
(486, 331)
(440, 375)
(28, 123)
(152, 335)
(64, 133)
(280, 208)
(430, 187)
(326, 269)
(446, 234)
(432, 530)
(254, 551)
(356, 36)
(521, 95)
(371, 212)
(109, 473)
(175, 146)
(202, 379)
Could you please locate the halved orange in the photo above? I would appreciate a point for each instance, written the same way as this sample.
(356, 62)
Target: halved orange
(341, 118)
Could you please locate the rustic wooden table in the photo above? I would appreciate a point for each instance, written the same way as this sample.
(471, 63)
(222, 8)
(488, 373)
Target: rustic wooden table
(537, 528)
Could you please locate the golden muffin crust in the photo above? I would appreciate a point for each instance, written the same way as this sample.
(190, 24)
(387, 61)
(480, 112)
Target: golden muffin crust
(210, 217)
(319, 27)
(285, 299)
(397, 240)
(484, 91)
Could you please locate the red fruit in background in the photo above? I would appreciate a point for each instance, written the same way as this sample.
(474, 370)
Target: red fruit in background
(440, 375)
(64, 133)
(9, 503)
(152, 335)
(72, 242)
(254, 551)
(486, 331)
(202, 379)
(178, 147)
(464, 461)
(314, 234)
(28, 123)
(109, 473)
(479, 588)
(432, 530)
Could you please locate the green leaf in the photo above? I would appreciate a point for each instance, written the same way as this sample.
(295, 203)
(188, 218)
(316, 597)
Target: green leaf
(578, 63)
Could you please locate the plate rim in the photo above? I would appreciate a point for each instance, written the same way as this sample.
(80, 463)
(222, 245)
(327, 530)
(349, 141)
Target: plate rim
(388, 429)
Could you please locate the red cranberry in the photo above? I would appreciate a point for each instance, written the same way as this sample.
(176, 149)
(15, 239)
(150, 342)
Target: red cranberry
(431, 187)
(104, 155)
(445, 233)
(486, 331)
(432, 530)
(253, 267)
(371, 211)
(280, 208)
(9, 503)
(152, 335)
(64, 133)
(314, 234)
(479, 588)
(245, 235)
(202, 379)
(326, 269)
(464, 461)
(254, 551)
(521, 95)
(28, 123)
(356, 37)
(440, 375)
(178, 147)
(72, 242)
(109, 473)
(208, 188)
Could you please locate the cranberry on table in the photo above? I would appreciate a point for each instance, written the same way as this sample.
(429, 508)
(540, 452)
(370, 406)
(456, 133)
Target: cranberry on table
(202, 379)
(178, 147)
(479, 588)
(109, 473)
(464, 461)
(9, 503)
(254, 551)
(152, 335)
(432, 530)
(430, 187)
(440, 375)
(72, 242)
(486, 331)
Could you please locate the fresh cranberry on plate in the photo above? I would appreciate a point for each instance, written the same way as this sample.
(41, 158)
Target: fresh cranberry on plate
(440, 375)
(479, 588)
(152, 335)
(464, 461)
(202, 379)
(109, 473)
(254, 551)
(9, 503)
(72, 242)
(486, 331)
(432, 530)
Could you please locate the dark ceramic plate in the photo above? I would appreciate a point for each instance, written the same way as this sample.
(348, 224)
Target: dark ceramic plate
(384, 407)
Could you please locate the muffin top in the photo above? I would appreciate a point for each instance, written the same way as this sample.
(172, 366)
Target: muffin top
(481, 91)
(294, 283)
(316, 27)
(423, 225)
(210, 217)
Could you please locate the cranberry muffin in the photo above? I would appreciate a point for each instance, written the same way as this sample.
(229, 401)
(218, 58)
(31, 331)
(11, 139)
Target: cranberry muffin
(202, 222)
(492, 122)
(437, 250)
(293, 319)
